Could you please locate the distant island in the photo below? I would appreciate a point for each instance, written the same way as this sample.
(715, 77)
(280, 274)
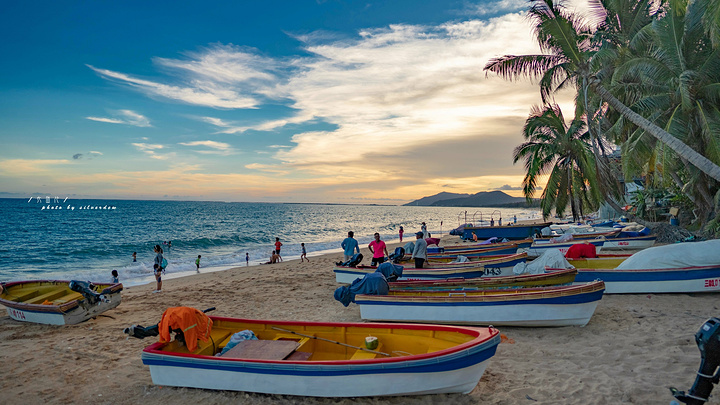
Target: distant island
(481, 199)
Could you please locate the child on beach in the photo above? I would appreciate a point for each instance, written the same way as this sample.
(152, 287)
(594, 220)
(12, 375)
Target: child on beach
(115, 278)
(247, 260)
(304, 254)
(157, 267)
(401, 232)
(277, 247)
(197, 263)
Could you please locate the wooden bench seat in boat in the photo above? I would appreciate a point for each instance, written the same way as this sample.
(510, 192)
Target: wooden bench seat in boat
(23, 297)
(68, 297)
(210, 347)
(363, 355)
(47, 296)
(262, 349)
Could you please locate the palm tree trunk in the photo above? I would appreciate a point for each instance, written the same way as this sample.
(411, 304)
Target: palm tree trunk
(701, 162)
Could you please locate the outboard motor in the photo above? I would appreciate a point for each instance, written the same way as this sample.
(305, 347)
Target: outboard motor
(397, 255)
(86, 289)
(708, 341)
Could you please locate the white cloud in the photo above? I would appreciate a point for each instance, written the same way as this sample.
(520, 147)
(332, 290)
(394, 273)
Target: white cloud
(127, 117)
(149, 149)
(222, 76)
(220, 148)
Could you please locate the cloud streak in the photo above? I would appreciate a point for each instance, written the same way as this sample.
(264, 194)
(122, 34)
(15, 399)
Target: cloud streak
(127, 117)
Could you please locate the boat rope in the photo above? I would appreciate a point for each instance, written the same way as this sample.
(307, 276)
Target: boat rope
(331, 341)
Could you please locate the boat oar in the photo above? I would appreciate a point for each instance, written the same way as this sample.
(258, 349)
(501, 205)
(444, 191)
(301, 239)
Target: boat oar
(331, 341)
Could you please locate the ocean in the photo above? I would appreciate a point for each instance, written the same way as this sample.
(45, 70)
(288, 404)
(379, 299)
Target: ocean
(65, 239)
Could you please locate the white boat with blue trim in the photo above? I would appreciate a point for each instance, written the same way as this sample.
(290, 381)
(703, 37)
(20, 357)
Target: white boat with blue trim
(322, 359)
(542, 306)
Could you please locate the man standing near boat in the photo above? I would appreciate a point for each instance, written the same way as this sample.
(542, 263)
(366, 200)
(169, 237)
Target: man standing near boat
(349, 245)
(419, 251)
(377, 247)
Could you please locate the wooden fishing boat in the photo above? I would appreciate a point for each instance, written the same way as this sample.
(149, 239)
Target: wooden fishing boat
(483, 268)
(512, 232)
(542, 306)
(464, 247)
(473, 253)
(328, 359)
(642, 281)
(54, 302)
(578, 236)
(538, 249)
(603, 261)
(630, 242)
(556, 277)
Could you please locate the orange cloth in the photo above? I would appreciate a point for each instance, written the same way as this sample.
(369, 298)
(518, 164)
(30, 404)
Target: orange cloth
(194, 324)
(581, 250)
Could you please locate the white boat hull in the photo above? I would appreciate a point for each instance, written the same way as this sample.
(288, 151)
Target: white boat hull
(509, 315)
(455, 381)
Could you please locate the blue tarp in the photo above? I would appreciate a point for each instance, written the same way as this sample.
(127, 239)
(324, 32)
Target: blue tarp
(373, 283)
(643, 232)
(389, 270)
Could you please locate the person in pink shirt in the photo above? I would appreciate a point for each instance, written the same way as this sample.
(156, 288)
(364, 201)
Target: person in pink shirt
(378, 249)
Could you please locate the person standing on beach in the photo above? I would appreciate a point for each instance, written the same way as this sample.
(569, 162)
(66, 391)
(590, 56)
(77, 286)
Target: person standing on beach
(401, 232)
(157, 267)
(377, 247)
(349, 245)
(304, 254)
(277, 247)
(419, 251)
(197, 263)
(247, 259)
(514, 219)
(424, 231)
(134, 256)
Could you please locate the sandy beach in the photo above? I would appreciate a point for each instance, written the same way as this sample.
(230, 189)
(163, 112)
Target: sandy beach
(633, 349)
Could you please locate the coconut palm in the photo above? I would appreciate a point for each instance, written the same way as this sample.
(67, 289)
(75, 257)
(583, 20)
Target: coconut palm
(568, 46)
(563, 152)
(675, 82)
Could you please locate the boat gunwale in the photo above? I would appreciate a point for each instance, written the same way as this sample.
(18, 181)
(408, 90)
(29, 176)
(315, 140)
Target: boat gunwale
(486, 280)
(650, 270)
(504, 296)
(476, 332)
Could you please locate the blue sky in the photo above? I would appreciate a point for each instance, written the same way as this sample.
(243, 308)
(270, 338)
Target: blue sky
(285, 101)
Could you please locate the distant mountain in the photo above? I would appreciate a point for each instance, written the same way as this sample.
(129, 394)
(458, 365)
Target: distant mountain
(428, 201)
(481, 199)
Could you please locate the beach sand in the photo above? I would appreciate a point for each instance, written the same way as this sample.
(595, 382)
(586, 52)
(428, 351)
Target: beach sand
(634, 347)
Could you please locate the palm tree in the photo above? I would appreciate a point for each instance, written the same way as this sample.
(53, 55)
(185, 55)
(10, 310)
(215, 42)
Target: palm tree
(675, 82)
(563, 151)
(569, 49)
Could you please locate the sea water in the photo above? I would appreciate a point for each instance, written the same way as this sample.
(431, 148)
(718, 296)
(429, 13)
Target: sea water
(62, 238)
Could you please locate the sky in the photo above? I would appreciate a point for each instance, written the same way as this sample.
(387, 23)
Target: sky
(343, 101)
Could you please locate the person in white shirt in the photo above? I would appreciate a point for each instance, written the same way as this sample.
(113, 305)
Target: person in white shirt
(419, 251)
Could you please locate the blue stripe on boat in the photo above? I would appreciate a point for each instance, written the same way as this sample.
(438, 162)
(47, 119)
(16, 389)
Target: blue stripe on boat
(571, 299)
(648, 275)
(453, 361)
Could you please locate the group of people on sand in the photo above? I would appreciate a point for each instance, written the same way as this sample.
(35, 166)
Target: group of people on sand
(378, 248)
(275, 255)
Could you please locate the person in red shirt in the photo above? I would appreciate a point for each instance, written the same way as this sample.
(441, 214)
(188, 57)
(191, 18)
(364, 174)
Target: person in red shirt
(277, 247)
(377, 247)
